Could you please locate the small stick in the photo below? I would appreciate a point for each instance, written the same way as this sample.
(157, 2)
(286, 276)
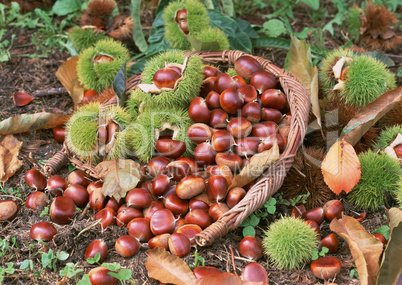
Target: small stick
(50, 91)
(88, 228)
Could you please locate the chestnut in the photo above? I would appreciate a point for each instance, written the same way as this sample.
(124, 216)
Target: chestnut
(93, 185)
(198, 111)
(332, 209)
(198, 217)
(96, 246)
(100, 275)
(190, 186)
(179, 244)
(234, 196)
(113, 204)
(170, 190)
(170, 148)
(251, 248)
(43, 231)
(97, 200)
(231, 101)
(126, 214)
(35, 179)
(248, 92)
(246, 146)
(269, 114)
(326, 267)
(190, 162)
(155, 206)
(78, 194)
(107, 217)
(184, 26)
(127, 246)
(331, 242)
(263, 80)
(218, 119)
(176, 205)
(204, 154)
(197, 204)
(314, 226)
(56, 182)
(217, 187)
(254, 272)
(140, 229)
(179, 223)
(162, 222)
(216, 210)
(222, 140)
(159, 241)
(298, 211)
(224, 81)
(398, 151)
(269, 141)
(273, 98)
(160, 184)
(59, 133)
(62, 210)
(213, 100)
(239, 127)
(102, 59)
(157, 165)
(220, 170)
(316, 214)
(202, 271)
(210, 71)
(78, 177)
(22, 99)
(361, 217)
(239, 81)
(381, 238)
(189, 231)
(36, 199)
(252, 112)
(178, 169)
(199, 133)
(8, 210)
(138, 198)
(165, 78)
(181, 15)
(207, 86)
(230, 159)
(264, 129)
(246, 65)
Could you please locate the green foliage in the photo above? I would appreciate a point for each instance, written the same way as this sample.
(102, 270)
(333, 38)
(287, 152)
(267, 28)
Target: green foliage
(213, 35)
(384, 230)
(120, 274)
(9, 270)
(100, 76)
(198, 260)
(71, 271)
(65, 7)
(95, 259)
(16, 192)
(353, 20)
(197, 20)
(84, 38)
(292, 201)
(317, 253)
(5, 45)
(289, 242)
(27, 264)
(48, 259)
(252, 221)
(380, 175)
(353, 273)
(45, 211)
(387, 136)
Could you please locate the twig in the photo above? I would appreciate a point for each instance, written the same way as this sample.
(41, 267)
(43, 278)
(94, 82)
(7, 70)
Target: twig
(88, 228)
(84, 211)
(11, 196)
(50, 91)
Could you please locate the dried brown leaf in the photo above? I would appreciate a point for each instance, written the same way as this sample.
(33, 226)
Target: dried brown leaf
(365, 248)
(258, 164)
(341, 167)
(9, 162)
(370, 114)
(119, 176)
(29, 122)
(168, 268)
(67, 74)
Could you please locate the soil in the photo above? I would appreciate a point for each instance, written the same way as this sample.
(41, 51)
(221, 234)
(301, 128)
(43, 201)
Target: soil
(25, 74)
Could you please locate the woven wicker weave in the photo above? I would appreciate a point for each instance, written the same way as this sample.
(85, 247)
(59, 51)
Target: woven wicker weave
(273, 177)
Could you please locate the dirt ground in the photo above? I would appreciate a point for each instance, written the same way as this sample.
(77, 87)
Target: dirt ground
(29, 75)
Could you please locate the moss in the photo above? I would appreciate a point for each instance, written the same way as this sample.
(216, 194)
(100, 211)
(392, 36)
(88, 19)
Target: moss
(367, 79)
(353, 20)
(84, 38)
(214, 35)
(387, 136)
(231, 71)
(197, 20)
(186, 90)
(380, 175)
(289, 242)
(100, 76)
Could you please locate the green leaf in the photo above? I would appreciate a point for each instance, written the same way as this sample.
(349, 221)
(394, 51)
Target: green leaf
(228, 7)
(270, 42)
(249, 231)
(254, 220)
(124, 274)
(271, 209)
(274, 28)
(25, 264)
(85, 280)
(246, 28)
(324, 250)
(384, 230)
(112, 266)
(119, 85)
(303, 34)
(64, 7)
(315, 4)
(62, 255)
(379, 56)
(238, 39)
(202, 46)
(138, 35)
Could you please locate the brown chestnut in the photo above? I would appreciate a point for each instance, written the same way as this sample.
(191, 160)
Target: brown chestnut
(246, 146)
(170, 148)
(62, 210)
(252, 112)
(93, 185)
(189, 231)
(314, 226)
(176, 205)
(230, 159)
(96, 246)
(239, 81)
(162, 222)
(202, 271)
(332, 209)
(8, 210)
(246, 65)
(78, 194)
(207, 86)
(190, 187)
(217, 187)
(160, 184)
(269, 141)
(381, 238)
(198, 110)
(273, 98)
(78, 177)
(254, 272)
(36, 199)
(35, 179)
(263, 80)
(159, 241)
(200, 133)
(248, 92)
(204, 154)
(222, 140)
(59, 133)
(178, 169)
(224, 81)
(138, 198)
(179, 244)
(231, 101)
(213, 100)
(316, 214)
(189, 161)
(218, 119)
(198, 217)
(210, 71)
(181, 15)
(165, 78)
(97, 200)
(140, 229)
(331, 242)
(264, 129)
(107, 217)
(184, 26)
(216, 210)
(127, 246)
(100, 275)
(157, 165)
(197, 204)
(126, 214)
(56, 182)
(251, 248)
(269, 114)
(234, 196)
(155, 206)
(239, 127)
(43, 231)
(326, 267)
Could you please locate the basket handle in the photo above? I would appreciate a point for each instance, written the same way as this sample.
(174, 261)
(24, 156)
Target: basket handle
(57, 162)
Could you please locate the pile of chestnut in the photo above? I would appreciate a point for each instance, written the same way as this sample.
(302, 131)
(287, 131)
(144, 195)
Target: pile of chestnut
(237, 116)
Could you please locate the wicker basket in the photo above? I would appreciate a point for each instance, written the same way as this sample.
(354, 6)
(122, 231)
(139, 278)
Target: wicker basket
(273, 177)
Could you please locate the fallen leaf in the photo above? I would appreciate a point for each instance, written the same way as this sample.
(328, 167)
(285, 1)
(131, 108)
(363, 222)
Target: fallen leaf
(370, 114)
(9, 162)
(258, 164)
(391, 264)
(301, 66)
(67, 74)
(29, 122)
(168, 268)
(341, 167)
(365, 248)
(119, 176)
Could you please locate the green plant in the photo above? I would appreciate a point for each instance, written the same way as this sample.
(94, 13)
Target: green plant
(27, 264)
(95, 259)
(48, 259)
(9, 270)
(292, 201)
(5, 46)
(5, 245)
(121, 274)
(70, 271)
(353, 273)
(380, 175)
(45, 211)
(319, 253)
(384, 230)
(15, 192)
(252, 221)
(289, 242)
(198, 260)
